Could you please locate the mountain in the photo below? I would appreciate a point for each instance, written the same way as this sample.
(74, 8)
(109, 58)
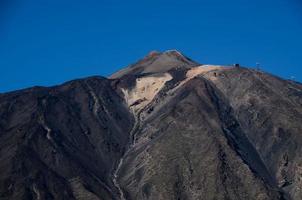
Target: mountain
(165, 128)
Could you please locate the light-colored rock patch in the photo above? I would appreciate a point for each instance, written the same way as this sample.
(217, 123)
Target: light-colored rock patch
(195, 71)
(201, 70)
(145, 90)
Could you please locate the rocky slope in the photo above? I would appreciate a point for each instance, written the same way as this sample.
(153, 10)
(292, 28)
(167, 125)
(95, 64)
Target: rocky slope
(165, 127)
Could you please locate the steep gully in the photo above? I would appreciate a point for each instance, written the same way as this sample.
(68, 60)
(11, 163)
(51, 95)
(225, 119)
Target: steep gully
(146, 88)
(129, 147)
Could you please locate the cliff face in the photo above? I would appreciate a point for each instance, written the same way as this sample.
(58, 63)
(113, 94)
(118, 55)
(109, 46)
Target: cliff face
(166, 127)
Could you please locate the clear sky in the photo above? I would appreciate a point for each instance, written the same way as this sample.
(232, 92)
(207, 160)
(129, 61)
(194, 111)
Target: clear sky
(47, 42)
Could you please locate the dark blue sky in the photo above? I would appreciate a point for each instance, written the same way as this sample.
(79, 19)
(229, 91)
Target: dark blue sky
(45, 42)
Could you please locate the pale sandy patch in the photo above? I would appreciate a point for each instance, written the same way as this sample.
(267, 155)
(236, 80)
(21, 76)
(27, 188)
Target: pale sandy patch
(196, 71)
(145, 90)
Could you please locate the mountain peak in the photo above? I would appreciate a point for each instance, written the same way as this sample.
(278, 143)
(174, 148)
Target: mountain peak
(157, 62)
(173, 52)
(153, 53)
